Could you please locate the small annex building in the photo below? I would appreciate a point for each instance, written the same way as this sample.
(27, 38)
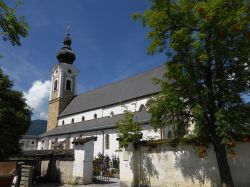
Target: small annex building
(95, 112)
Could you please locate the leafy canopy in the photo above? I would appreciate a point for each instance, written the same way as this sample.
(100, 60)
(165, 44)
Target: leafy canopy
(14, 117)
(129, 130)
(208, 43)
(12, 26)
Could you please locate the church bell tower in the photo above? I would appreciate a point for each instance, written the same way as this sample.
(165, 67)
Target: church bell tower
(63, 83)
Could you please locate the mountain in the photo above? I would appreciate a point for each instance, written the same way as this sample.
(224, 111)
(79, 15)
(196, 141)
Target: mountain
(37, 127)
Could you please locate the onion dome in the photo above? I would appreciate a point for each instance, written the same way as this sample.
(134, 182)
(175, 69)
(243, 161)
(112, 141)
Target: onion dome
(66, 55)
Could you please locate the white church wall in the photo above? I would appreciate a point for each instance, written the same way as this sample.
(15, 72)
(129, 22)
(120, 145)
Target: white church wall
(104, 112)
(141, 102)
(113, 143)
(149, 133)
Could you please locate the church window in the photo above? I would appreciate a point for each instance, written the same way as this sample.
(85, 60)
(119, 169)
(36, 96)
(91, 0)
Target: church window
(63, 122)
(142, 107)
(69, 71)
(95, 116)
(68, 85)
(55, 85)
(107, 141)
(112, 114)
(72, 120)
(32, 142)
(83, 118)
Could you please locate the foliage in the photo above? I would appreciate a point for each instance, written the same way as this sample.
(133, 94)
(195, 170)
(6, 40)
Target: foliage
(129, 130)
(13, 27)
(14, 117)
(208, 44)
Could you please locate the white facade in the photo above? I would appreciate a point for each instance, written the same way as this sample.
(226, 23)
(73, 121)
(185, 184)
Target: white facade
(101, 145)
(133, 106)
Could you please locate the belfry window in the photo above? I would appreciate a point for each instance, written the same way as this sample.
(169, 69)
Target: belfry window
(107, 141)
(68, 85)
(55, 85)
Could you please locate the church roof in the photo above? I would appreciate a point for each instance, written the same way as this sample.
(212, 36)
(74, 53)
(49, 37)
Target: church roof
(119, 92)
(95, 124)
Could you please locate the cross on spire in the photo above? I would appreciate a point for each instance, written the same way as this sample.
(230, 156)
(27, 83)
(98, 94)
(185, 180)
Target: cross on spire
(67, 30)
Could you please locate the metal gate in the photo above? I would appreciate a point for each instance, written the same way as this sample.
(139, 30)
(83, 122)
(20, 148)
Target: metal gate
(101, 170)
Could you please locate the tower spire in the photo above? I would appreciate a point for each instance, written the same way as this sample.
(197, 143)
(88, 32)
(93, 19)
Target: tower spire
(66, 55)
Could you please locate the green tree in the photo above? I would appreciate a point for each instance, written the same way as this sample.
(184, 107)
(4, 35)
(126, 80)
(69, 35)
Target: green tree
(13, 27)
(129, 130)
(14, 112)
(14, 117)
(207, 44)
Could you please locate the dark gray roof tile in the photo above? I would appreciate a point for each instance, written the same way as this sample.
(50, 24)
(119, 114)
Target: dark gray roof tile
(124, 90)
(95, 124)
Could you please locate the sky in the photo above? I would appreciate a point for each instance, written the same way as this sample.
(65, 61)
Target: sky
(108, 45)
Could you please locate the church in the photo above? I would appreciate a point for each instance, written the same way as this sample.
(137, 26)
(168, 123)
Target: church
(95, 112)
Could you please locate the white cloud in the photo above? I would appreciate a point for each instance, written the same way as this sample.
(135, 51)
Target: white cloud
(37, 98)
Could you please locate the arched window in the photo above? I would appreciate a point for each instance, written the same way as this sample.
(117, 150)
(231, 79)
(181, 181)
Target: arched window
(63, 122)
(111, 114)
(55, 85)
(72, 120)
(83, 118)
(68, 85)
(107, 141)
(142, 108)
(95, 116)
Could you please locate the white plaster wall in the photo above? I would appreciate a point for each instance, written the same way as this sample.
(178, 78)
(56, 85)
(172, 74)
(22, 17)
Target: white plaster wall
(65, 168)
(83, 163)
(99, 144)
(240, 166)
(165, 165)
(26, 144)
(169, 166)
(149, 133)
(43, 144)
(104, 112)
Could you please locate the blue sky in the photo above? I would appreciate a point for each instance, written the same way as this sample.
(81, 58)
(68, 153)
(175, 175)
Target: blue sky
(108, 45)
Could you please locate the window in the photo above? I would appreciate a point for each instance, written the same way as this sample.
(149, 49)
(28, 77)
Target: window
(142, 108)
(55, 85)
(63, 122)
(95, 116)
(42, 141)
(68, 85)
(112, 114)
(83, 118)
(107, 141)
(32, 142)
(72, 120)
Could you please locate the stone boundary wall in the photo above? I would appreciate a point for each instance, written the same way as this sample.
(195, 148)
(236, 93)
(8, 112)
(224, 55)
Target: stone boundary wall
(168, 166)
(58, 170)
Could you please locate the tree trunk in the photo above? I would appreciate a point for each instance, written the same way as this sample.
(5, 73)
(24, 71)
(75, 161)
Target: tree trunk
(219, 148)
(221, 156)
